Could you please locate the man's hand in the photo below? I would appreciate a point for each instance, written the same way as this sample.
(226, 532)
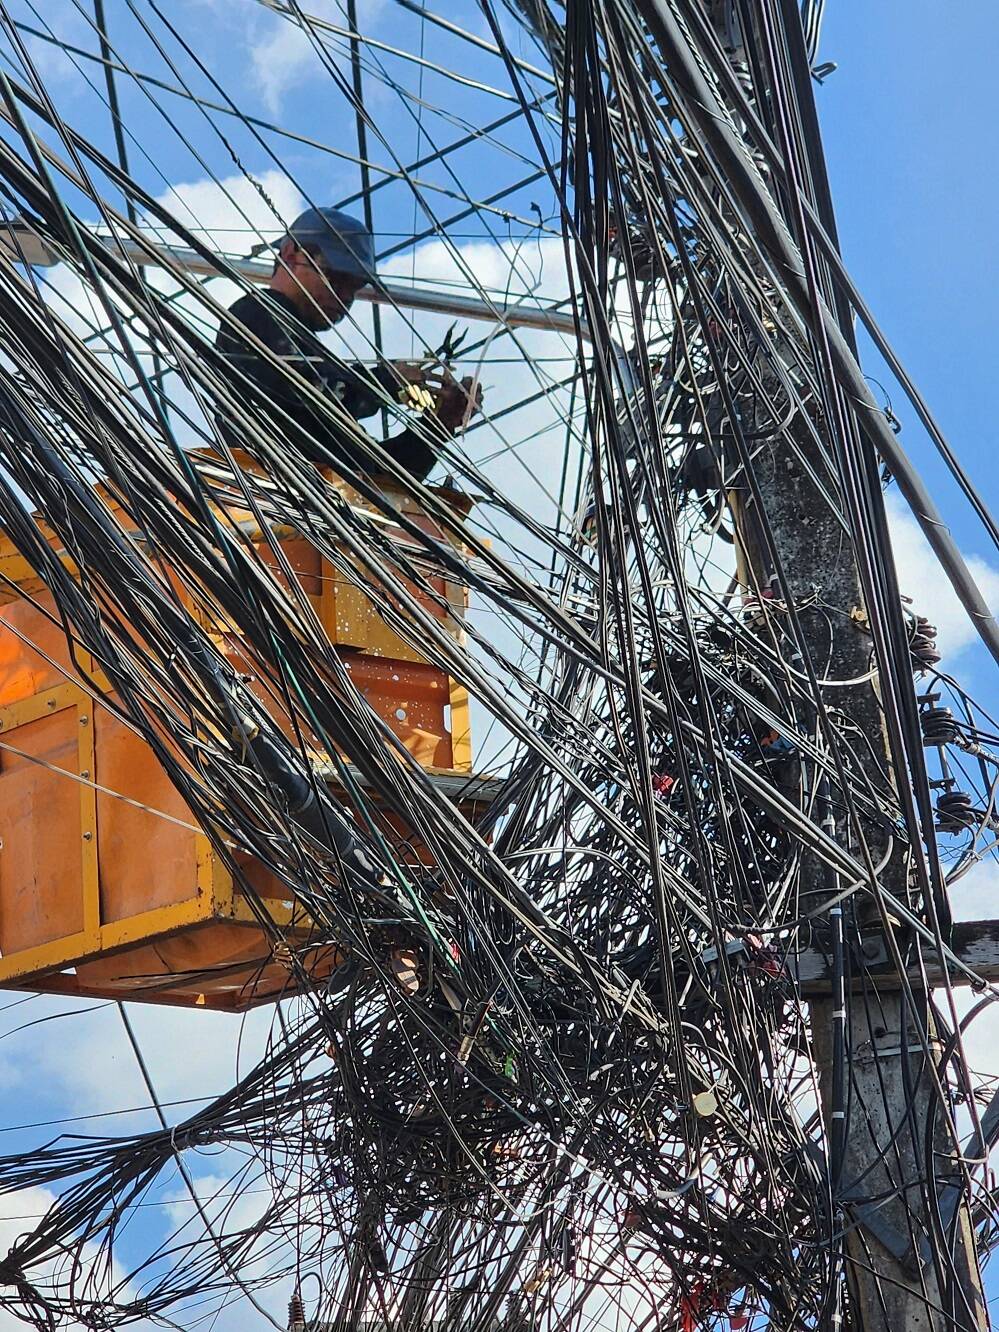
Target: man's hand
(457, 401)
(450, 402)
(410, 372)
(408, 380)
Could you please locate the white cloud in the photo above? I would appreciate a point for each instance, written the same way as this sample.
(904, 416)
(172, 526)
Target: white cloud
(94, 1279)
(236, 212)
(229, 1211)
(921, 577)
(231, 215)
(975, 896)
(980, 1039)
(188, 1054)
(232, 1202)
(72, 299)
(511, 368)
(64, 21)
(516, 270)
(83, 1060)
(283, 54)
(85, 1065)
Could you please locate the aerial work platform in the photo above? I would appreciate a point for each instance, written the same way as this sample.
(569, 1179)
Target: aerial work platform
(107, 886)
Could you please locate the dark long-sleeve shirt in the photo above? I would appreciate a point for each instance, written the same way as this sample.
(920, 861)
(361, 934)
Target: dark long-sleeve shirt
(270, 316)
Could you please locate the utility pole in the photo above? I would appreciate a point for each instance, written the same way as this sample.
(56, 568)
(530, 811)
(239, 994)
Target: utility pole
(876, 1046)
(870, 1043)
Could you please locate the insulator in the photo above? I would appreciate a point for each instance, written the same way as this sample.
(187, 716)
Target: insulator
(939, 726)
(923, 643)
(955, 811)
(296, 1311)
(924, 652)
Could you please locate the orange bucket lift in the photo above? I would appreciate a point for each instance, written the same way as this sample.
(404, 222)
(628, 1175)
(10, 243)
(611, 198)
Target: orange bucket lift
(107, 887)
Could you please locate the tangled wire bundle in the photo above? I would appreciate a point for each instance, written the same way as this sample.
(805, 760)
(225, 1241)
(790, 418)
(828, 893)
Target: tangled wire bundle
(593, 1095)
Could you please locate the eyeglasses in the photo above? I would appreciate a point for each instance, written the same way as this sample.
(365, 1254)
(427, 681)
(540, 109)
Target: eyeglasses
(331, 275)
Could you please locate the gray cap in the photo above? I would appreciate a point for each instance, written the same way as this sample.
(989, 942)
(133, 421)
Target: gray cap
(345, 243)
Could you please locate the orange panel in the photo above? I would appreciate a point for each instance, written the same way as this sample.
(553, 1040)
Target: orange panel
(48, 871)
(263, 882)
(405, 842)
(411, 697)
(196, 952)
(304, 560)
(22, 671)
(359, 624)
(41, 882)
(355, 620)
(145, 861)
(213, 966)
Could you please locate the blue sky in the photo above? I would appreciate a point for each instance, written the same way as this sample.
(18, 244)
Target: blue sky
(268, 67)
(907, 120)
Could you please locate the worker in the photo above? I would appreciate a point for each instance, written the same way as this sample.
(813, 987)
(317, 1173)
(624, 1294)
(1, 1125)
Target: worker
(323, 261)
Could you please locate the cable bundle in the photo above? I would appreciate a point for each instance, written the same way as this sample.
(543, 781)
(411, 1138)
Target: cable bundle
(600, 1099)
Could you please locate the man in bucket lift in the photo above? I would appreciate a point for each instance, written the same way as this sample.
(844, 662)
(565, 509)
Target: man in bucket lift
(324, 260)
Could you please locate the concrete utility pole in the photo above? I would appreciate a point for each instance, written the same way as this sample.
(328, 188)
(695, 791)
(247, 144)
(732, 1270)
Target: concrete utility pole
(871, 1041)
(878, 1089)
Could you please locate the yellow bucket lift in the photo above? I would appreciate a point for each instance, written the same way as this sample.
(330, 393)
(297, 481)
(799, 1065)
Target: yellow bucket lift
(107, 887)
